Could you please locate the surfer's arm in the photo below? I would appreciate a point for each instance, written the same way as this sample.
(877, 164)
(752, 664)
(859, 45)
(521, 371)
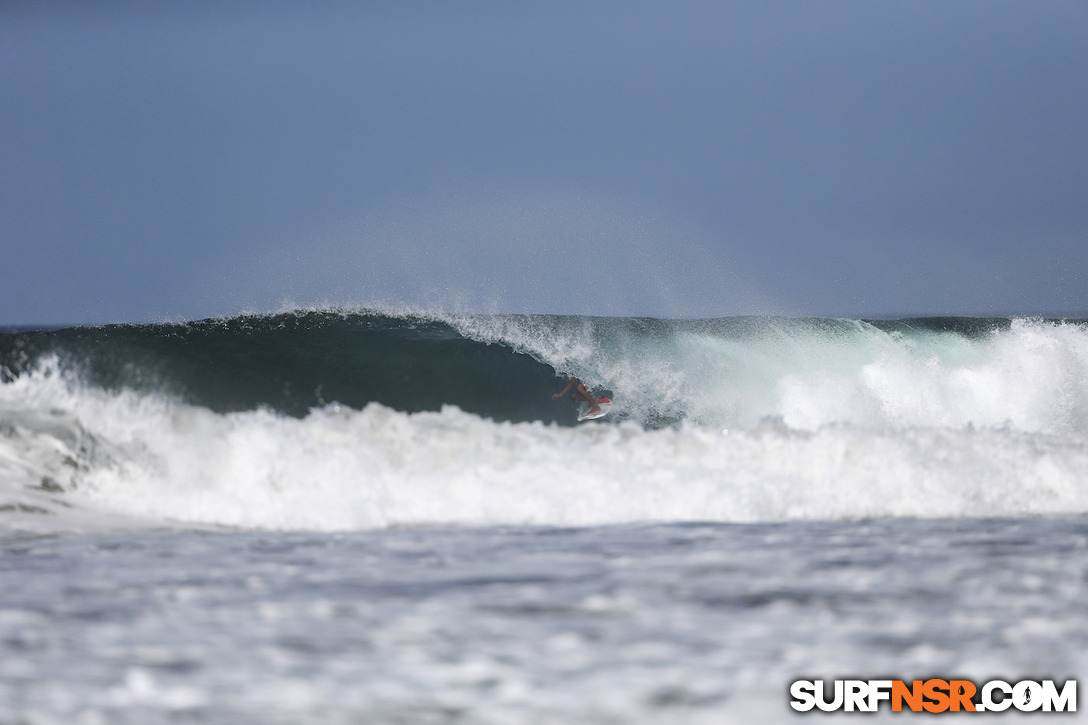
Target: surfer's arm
(564, 391)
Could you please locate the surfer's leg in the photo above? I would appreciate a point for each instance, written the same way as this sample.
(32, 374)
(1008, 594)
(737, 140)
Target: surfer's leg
(594, 406)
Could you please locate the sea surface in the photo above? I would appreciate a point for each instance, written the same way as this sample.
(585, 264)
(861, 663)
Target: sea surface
(349, 516)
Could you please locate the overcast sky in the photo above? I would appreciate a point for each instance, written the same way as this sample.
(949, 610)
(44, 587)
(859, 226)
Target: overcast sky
(180, 160)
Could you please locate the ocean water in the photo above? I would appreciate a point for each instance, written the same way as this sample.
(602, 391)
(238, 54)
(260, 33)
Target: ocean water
(361, 516)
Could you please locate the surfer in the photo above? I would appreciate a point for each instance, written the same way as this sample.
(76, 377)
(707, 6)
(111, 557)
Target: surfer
(578, 393)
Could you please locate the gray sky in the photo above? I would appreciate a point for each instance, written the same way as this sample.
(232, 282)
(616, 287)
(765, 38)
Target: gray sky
(186, 159)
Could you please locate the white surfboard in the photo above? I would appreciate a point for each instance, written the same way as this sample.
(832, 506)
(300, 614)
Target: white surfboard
(584, 414)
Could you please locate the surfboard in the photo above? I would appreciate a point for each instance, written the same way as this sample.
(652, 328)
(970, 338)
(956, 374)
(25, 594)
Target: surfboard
(584, 414)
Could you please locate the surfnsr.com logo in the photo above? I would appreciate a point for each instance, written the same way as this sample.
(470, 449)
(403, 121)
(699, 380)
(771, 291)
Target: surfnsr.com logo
(934, 696)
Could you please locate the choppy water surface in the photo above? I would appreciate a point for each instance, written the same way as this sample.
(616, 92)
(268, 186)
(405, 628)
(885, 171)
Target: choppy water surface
(637, 623)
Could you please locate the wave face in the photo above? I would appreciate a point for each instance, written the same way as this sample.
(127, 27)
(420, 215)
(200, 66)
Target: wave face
(346, 420)
(294, 362)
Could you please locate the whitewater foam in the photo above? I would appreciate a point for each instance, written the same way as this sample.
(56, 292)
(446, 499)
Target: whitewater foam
(157, 460)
